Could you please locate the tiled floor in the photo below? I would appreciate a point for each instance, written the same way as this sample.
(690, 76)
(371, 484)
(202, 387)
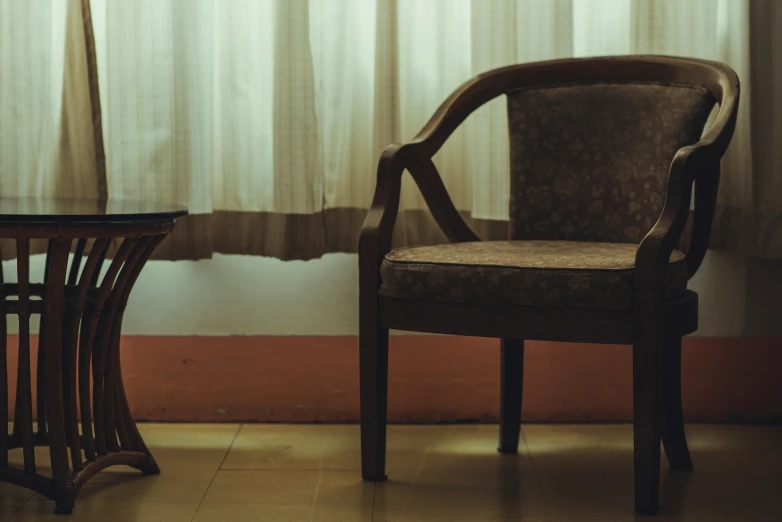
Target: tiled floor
(309, 473)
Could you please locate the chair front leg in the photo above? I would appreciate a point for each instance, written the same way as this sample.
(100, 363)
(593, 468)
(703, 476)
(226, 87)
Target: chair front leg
(373, 362)
(673, 435)
(511, 384)
(647, 419)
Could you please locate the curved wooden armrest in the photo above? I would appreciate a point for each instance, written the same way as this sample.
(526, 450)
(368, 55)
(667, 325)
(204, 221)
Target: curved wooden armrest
(416, 156)
(431, 185)
(375, 238)
(465, 100)
(697, 164)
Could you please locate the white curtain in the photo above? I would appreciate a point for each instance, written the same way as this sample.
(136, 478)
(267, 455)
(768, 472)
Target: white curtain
(266, 117)
(46, 121)
(281, 107)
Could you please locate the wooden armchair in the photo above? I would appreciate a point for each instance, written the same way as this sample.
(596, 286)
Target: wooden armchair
(605, 153)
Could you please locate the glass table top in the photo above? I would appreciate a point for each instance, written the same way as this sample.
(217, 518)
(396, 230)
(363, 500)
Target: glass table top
(92, 210)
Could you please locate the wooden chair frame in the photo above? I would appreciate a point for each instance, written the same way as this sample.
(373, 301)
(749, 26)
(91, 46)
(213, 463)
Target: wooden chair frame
(653, 326)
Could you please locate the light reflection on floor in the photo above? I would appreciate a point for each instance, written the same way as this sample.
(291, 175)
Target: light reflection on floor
(292, 473)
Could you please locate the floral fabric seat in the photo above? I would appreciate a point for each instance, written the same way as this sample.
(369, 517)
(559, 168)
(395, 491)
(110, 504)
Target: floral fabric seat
(525, 273)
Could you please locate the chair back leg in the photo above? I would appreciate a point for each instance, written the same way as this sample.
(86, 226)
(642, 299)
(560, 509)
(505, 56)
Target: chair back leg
(511, 384)
(373, 362)
(674, 438)
(647, 420)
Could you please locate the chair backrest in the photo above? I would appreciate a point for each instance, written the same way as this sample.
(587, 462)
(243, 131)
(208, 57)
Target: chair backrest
(593, 141)
(589, 161)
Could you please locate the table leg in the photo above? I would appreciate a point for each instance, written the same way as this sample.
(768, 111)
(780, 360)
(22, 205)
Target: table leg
(23, 411)
(124, 418)
(83, 326)
(53, 386)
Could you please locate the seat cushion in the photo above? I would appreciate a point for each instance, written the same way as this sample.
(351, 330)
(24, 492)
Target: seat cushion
(525, 273)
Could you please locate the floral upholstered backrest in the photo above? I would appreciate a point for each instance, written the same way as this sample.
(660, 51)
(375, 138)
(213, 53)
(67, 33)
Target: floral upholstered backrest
(590, 162)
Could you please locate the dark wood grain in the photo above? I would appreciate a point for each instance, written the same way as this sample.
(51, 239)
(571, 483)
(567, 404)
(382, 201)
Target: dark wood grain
(23, 412)
(647, 326)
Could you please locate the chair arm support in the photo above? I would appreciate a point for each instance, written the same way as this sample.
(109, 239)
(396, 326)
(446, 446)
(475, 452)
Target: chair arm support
(375, 238)
(706, 182)
(654, 252)
(431, 185)
(698, 164)
(414, 156)
(689, 165)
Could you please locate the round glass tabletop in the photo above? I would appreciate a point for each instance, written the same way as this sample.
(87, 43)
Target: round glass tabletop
(84, 210)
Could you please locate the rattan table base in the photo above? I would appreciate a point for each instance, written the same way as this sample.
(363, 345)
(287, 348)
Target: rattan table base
(83, 415)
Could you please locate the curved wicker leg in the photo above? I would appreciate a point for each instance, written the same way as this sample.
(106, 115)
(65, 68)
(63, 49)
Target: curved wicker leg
(148, 466)
(90, 313)
(41, 398)
(673, 435)
(54, 305)
(65, 499)
(110, 340)
(70, 384)
(23, 412)
(102, 332)
(136, 443)
(511, 383)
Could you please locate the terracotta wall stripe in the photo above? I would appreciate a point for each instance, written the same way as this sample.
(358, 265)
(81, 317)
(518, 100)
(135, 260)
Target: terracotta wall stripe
(432, 379)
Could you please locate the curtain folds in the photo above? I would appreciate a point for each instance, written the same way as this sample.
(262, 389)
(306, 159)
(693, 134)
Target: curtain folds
(49, 121)
(266, 117)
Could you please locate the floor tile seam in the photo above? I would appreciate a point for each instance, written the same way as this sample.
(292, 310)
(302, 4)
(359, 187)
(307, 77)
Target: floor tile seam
(225, 456)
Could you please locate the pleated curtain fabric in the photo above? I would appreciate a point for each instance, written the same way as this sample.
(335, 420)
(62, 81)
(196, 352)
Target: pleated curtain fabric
(49, 141)
(266, 117)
